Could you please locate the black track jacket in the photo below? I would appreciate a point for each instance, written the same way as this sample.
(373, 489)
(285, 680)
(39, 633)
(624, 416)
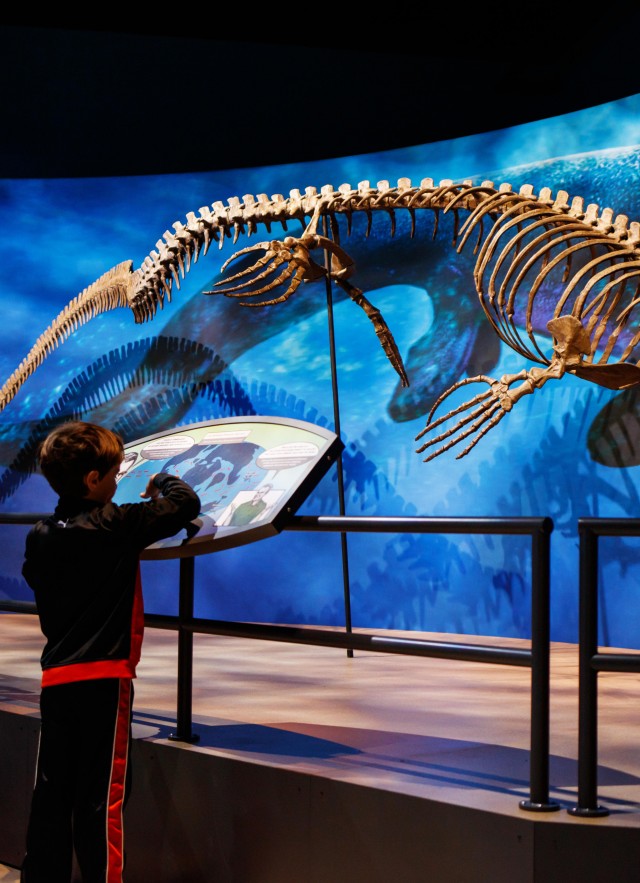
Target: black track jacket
(83, 566)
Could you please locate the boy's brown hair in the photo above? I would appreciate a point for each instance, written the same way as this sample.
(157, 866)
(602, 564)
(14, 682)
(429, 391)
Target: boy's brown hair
(74, 449)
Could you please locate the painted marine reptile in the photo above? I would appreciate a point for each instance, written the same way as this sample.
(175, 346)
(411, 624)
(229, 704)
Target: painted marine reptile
(535, 255)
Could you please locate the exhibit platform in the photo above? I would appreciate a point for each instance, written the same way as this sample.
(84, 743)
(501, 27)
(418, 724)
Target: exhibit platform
(314, 766)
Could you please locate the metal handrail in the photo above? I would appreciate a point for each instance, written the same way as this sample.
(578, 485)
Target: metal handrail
(537, 658)
(590, 661)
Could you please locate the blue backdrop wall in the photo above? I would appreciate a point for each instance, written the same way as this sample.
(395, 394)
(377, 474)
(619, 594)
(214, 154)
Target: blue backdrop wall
(206, 357)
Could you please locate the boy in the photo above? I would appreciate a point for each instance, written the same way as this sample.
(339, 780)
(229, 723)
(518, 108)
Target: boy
(83, 566)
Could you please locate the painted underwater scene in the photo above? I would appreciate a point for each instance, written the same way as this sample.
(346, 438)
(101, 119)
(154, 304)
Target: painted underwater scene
(569, 451)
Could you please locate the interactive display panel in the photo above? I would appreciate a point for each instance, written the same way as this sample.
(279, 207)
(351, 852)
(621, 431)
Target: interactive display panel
(251, 474)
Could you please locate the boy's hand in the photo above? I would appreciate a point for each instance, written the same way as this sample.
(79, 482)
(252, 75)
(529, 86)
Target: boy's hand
(151, 490)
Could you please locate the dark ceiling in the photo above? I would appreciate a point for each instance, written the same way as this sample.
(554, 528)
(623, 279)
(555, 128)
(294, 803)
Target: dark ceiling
(87, 100)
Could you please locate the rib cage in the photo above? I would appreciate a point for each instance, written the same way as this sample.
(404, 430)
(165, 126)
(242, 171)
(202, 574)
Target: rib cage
(517, 238)
(506, 255)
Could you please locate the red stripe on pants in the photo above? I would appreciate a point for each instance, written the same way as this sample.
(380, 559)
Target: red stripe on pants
(115, 831)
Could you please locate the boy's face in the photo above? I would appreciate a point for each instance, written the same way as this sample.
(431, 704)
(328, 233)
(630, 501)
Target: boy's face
(102, 489)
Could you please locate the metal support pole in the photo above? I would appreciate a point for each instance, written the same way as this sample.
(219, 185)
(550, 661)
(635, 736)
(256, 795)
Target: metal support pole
(185, 654)
(336, 419)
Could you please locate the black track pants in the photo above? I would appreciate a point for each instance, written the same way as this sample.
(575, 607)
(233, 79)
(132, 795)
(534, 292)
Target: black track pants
(82, 783)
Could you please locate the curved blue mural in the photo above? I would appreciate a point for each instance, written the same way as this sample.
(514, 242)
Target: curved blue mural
(569, 451)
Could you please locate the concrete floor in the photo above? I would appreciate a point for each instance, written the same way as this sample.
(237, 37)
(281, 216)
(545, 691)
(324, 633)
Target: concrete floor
(450, 732)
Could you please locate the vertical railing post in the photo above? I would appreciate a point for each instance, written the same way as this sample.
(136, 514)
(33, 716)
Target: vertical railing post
(185, 654)
(588, 678)
(540, 642)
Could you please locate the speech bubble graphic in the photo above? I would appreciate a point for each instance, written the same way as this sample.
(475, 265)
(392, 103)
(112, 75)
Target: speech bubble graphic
(164, 448)
(225, 438)
(287, 456)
